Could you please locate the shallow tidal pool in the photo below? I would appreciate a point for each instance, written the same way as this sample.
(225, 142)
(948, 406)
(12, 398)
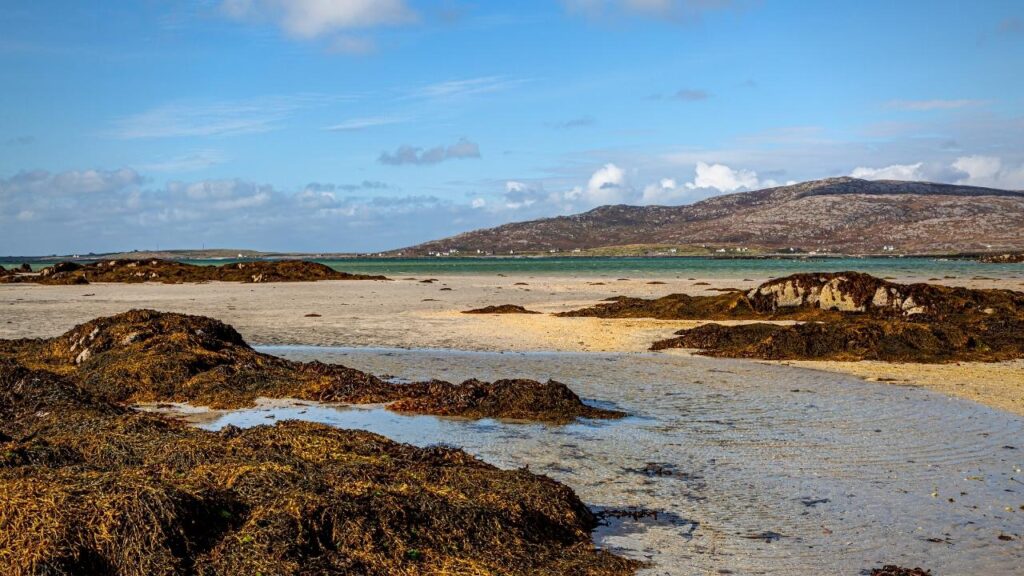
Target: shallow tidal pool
(737, 467)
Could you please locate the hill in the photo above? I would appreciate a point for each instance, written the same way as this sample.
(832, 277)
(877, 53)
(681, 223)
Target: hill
(845, 215)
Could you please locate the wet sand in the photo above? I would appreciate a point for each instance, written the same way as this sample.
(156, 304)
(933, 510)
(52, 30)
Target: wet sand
(408, 313)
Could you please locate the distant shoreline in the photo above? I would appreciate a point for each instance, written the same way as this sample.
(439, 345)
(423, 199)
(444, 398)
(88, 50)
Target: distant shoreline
(242, 256)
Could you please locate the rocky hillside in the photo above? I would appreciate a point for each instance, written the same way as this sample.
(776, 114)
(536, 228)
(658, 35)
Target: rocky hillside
(836, 215)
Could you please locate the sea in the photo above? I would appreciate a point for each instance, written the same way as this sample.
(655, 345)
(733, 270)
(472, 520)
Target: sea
(618, 267)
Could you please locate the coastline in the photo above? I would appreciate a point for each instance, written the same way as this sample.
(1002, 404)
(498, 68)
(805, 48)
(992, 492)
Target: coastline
(409, 313)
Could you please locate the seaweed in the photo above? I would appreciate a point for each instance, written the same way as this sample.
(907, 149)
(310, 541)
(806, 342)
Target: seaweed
(841, 316)
(893, 570)
(1007, 258)
(817, 296)
(501, 309)
(89, 488)
(149, 356)
(170, 272)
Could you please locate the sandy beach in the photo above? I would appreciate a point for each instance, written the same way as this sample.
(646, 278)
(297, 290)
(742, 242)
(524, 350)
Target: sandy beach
(418, 313)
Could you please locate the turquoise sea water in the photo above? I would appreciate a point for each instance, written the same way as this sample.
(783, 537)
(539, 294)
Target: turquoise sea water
(685, 267)
(665, 267)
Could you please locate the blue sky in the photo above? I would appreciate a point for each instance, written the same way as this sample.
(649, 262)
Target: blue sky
(360, 125)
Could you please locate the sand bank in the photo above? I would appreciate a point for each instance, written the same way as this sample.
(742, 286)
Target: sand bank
(408, 313)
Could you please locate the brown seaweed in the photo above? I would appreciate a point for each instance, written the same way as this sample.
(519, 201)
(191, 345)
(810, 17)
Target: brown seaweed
(171, 272)
(91, 488)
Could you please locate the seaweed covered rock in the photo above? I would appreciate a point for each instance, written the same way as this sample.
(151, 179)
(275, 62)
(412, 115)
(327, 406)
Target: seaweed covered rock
(170, 272)
(150, 356)
(856, 292)
(858, 317)
(1008, 258)
(817, 297)
(284, 271)
(501, 309)
(854, 340)
(89, 488)
(513, 399)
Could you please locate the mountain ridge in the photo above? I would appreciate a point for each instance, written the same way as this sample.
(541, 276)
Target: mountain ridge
(834, 215)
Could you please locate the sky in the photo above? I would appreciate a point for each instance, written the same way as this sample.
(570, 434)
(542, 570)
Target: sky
(366, 125)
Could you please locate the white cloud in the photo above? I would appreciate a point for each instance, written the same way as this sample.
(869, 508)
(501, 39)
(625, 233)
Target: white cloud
(723, 178)
(313, 18)
(42, 186)
(892, 172)
(362, 123)
(466, 87)
(989, 171)
(607, 185)
(186, 163)
(225, 118)
(478, 203)
(665, 191)
(83, 210)
(221, 195)
(928, 105)
(520, 195)
(664, 9)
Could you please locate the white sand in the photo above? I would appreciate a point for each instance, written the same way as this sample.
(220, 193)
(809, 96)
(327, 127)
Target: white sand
(406, 313)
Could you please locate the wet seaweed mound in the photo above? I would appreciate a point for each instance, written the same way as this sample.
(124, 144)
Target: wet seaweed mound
(893, 570)
(512, 399)
(170, 272)
(87, 487)
(731, 305)
(852, 316)
(150, 356)
(501, 309)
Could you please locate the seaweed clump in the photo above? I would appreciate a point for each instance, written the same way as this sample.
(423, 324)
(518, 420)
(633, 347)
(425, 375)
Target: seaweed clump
(842, 316)
(824, 296)
(88, 487)
(171, 272)
(1008, 258)
(150, 356)
(510, 399)
(501, 309)
(858, 339)
(893, 570)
